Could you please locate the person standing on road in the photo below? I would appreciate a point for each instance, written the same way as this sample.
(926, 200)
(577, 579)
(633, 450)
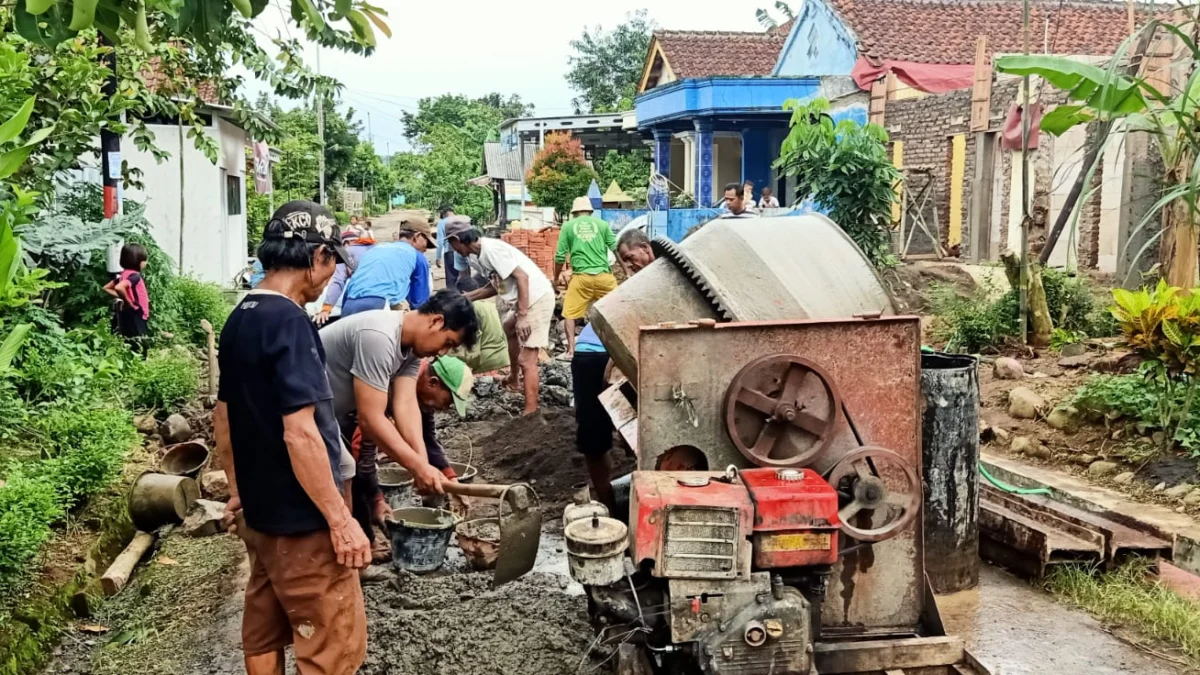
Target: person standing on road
(443, 254)
(357, 247)
(377, 352)
(386, 276)
(526, 297)
(586, 240)
(277, 437)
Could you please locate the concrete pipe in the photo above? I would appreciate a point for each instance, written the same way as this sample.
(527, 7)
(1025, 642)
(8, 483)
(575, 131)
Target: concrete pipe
(762, 269)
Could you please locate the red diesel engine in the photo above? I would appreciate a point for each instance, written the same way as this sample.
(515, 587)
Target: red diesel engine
(731, 567)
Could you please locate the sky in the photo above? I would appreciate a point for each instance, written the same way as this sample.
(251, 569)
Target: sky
(474, 47)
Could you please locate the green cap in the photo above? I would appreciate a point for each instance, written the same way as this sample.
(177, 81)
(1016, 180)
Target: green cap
(458, 379)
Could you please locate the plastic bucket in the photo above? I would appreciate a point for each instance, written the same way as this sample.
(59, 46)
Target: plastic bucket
(395, 482)
(479, 540)
(420, 537)
(184, 459)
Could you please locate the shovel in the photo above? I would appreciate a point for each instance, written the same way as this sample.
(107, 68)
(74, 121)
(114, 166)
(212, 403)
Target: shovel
(520, 528)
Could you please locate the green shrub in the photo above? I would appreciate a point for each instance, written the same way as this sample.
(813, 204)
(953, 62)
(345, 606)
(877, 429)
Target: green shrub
(198, 300)
(29, 504)
(78, 365)
(1135, 399)
(342, 217)
(970, 324)
(86, 447)
(165, 380)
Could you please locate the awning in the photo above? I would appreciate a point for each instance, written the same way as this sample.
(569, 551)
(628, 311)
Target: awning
(930, 77)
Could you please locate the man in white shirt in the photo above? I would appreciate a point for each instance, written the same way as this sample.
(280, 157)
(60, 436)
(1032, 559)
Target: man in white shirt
(526, 301)
(768, 200)
(735, 202)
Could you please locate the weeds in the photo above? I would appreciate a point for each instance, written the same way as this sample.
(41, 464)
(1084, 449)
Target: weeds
(1129, 595)
(977, 323)
(165, 380)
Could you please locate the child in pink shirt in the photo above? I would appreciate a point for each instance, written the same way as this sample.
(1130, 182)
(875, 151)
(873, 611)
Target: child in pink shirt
(132, 308)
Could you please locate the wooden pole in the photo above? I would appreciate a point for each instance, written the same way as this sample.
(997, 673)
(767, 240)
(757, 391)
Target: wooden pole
(1023, 291)
(122, 568)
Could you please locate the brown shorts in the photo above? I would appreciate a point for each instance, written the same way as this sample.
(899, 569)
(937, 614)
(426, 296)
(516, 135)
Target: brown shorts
(299, 594)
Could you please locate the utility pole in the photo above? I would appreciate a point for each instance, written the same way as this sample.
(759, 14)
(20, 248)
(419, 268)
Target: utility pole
(370, 136)
(110, 142)
(321, 132)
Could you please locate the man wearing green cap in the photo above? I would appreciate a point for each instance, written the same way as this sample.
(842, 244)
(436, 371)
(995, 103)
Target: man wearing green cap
(442, 382)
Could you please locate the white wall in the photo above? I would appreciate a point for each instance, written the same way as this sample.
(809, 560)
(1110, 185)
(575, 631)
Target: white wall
(214, 244)
(1067, 158)
(1112, 190)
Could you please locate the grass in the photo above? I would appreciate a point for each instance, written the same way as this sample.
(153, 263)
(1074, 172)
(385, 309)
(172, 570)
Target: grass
(1130, 596)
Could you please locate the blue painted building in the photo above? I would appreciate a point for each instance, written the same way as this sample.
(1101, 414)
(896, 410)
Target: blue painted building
(713, 103)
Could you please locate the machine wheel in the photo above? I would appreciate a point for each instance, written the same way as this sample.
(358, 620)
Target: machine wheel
(781, 410)
(878, 481)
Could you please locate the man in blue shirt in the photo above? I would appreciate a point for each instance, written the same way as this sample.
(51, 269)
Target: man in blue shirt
(386, 276)
(444, 256)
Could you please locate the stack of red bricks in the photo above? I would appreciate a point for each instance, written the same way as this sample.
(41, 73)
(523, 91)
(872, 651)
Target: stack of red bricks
(539, 245)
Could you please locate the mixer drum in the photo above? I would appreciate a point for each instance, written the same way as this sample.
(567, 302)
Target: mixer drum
(762, 269)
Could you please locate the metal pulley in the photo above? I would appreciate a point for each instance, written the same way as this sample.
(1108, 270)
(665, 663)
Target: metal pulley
(781, 410)
(880, 493)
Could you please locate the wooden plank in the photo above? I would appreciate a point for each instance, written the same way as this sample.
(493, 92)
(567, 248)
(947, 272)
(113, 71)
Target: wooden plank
(958, 161)
(875, 655)
(895, 671)
(879, 90)
(981, 88)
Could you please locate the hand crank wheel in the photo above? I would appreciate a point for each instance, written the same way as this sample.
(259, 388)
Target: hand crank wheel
(781, 410)
(881, 487)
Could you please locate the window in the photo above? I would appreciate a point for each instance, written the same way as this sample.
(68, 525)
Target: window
(233, 195)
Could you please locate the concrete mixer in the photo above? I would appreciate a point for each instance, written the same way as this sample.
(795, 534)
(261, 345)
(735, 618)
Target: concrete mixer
(773, 517)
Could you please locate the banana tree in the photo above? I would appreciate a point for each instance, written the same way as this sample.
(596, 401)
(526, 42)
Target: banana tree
(1108, 95)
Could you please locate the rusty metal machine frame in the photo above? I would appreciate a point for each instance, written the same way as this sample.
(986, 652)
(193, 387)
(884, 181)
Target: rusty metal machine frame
(874, 364)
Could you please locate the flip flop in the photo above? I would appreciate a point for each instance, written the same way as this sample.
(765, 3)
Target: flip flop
(564, 357)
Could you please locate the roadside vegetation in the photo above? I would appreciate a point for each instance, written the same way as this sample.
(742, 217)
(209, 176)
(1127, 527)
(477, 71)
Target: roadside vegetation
(1131, 597)
(978, 322)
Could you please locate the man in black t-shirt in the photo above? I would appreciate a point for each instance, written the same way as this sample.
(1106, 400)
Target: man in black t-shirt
(279, 443)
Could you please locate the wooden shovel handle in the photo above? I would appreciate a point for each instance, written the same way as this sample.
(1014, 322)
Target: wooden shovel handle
(475, 489)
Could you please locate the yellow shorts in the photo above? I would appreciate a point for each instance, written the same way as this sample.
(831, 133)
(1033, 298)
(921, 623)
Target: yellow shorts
(585, 289)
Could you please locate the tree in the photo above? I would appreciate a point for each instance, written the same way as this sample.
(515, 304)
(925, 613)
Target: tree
(1107, 95)
(448, 133)
(845, 169)
(631, 171)
(370, 174)
(607, 65)
(479, 117)
(559, 173)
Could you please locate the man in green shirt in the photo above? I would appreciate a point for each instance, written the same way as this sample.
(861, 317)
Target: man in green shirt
(586, 240)
(491, 348)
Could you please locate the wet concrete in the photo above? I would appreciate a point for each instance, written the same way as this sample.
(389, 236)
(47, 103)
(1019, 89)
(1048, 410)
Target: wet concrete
(1015, 629)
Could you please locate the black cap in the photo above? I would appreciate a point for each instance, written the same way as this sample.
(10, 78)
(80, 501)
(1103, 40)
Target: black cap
(311, 222)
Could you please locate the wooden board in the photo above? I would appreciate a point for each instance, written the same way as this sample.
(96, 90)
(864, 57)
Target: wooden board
(981, 88)
(869, 656)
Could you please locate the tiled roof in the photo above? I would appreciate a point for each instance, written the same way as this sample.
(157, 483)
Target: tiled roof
(154, 78)
(945, 31)
(712, 53)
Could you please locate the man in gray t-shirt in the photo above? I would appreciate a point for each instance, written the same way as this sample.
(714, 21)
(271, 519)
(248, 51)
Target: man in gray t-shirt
(368, 353)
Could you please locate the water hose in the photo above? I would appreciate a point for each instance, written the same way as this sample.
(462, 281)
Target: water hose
(1012, 489)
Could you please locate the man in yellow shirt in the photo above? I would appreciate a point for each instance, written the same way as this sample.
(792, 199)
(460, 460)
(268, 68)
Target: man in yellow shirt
(586, 240)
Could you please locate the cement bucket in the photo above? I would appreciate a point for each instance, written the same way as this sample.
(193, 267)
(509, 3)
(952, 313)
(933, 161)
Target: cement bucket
(158, 499)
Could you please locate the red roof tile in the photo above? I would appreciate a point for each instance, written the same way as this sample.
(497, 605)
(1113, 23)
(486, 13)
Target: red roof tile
(154, 77)
(945, 31)
(713, 53)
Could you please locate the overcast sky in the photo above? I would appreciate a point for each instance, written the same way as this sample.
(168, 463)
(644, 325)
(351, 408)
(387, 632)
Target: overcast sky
(474, 47)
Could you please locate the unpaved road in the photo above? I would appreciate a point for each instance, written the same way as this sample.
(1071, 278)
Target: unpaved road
(183, 615)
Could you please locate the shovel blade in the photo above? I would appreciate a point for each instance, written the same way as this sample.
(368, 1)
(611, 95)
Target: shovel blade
(520, 535)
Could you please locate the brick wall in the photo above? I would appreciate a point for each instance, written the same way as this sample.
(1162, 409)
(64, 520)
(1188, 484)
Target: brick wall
(539, 245)
(927, 125)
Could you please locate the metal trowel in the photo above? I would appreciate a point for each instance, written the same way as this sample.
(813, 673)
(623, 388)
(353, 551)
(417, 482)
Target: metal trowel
(520, 526)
